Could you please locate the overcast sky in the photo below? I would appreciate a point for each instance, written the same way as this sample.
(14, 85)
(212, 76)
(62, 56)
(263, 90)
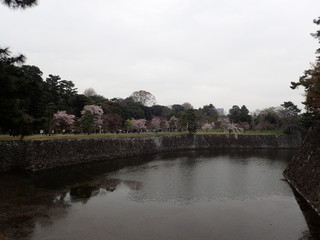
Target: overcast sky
(224, 52)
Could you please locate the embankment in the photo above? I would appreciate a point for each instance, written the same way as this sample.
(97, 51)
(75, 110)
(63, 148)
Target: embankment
(40, 155)
(303, 172)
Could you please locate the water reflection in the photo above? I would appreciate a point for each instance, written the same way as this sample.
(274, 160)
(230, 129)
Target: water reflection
(311, 217)
(189, 195)
(83, 193)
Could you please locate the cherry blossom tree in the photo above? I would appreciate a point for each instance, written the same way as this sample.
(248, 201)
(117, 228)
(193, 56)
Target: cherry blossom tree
(264, 125)
(155, 123)
(63, 120)
(245, 126)
(231, 127)
(91, 118)
(139, 124)
(164, 124)
(208, 126)
(173, 123)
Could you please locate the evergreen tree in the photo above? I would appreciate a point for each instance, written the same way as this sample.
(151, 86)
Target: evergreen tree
(311, 83)
(19, 3)
(188, 120)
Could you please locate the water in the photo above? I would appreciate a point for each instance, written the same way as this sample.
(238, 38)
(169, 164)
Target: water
(188, 195)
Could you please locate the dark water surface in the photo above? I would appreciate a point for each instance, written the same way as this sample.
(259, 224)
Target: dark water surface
(187, 195)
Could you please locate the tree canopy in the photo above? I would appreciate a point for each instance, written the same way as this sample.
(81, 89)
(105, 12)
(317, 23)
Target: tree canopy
(143, 97)
(310, 80)
(20, 3)
(30, 103)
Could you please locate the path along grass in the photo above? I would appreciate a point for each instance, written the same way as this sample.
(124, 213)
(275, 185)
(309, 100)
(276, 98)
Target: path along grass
(128, 135)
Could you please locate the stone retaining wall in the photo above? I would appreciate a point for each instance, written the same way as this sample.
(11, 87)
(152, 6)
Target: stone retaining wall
(40, 155)
(12, 155)
(303, 172)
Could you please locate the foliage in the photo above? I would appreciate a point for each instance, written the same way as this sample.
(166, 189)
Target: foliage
(289, 117)
(311, 82)
(91, 118)
(128, 125)
(13, 94)
(28, 102)
(207, 114)
(267, 119)
(173, 123)
(238, 115)
(60, 92)
(285, 117)
(20, 3)
(111, 122)
(160, 111)
(234, 114)
(177, 108)
(188, 121)
(244, 115)
(210, 111)
(231, 127)
(264, 125)
(208, 126)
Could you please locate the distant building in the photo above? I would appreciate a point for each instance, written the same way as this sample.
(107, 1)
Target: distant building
(220, 111)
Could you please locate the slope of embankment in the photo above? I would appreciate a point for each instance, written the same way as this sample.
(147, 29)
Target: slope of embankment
(303, 172)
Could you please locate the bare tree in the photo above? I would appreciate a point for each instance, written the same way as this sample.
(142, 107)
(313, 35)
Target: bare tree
(187, 106)
(143, 97)
(89, 92)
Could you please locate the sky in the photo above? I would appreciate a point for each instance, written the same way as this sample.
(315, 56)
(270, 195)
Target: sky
(224, 52)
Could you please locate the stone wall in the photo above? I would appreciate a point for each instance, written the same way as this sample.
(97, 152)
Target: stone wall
(40, 155)
(12, 155)
(303, 172)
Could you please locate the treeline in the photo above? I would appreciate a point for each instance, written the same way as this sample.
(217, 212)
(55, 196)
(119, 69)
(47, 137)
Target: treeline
(30, 104)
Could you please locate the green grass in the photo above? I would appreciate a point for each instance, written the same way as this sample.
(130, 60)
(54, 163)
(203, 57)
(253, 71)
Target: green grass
(250, 132)
(129, 135)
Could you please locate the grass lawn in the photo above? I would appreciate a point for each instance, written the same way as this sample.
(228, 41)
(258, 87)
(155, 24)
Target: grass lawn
(130, 135)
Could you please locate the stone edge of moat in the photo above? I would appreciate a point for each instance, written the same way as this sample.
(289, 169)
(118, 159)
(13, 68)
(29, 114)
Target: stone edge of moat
(38, 155)
(303, 172)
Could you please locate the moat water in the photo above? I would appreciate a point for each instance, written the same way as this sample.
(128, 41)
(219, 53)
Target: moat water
(187, 195)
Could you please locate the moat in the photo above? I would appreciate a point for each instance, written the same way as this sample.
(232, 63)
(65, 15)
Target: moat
(185, 195)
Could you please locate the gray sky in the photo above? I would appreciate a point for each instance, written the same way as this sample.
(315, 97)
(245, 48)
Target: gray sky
(224, 52)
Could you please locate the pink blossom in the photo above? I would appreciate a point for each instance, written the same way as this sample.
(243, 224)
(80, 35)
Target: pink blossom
(95, 111)
(173, 122)
(155, 123)
(208, 126)
(165, 124)
(139, 123)
(62, 119)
